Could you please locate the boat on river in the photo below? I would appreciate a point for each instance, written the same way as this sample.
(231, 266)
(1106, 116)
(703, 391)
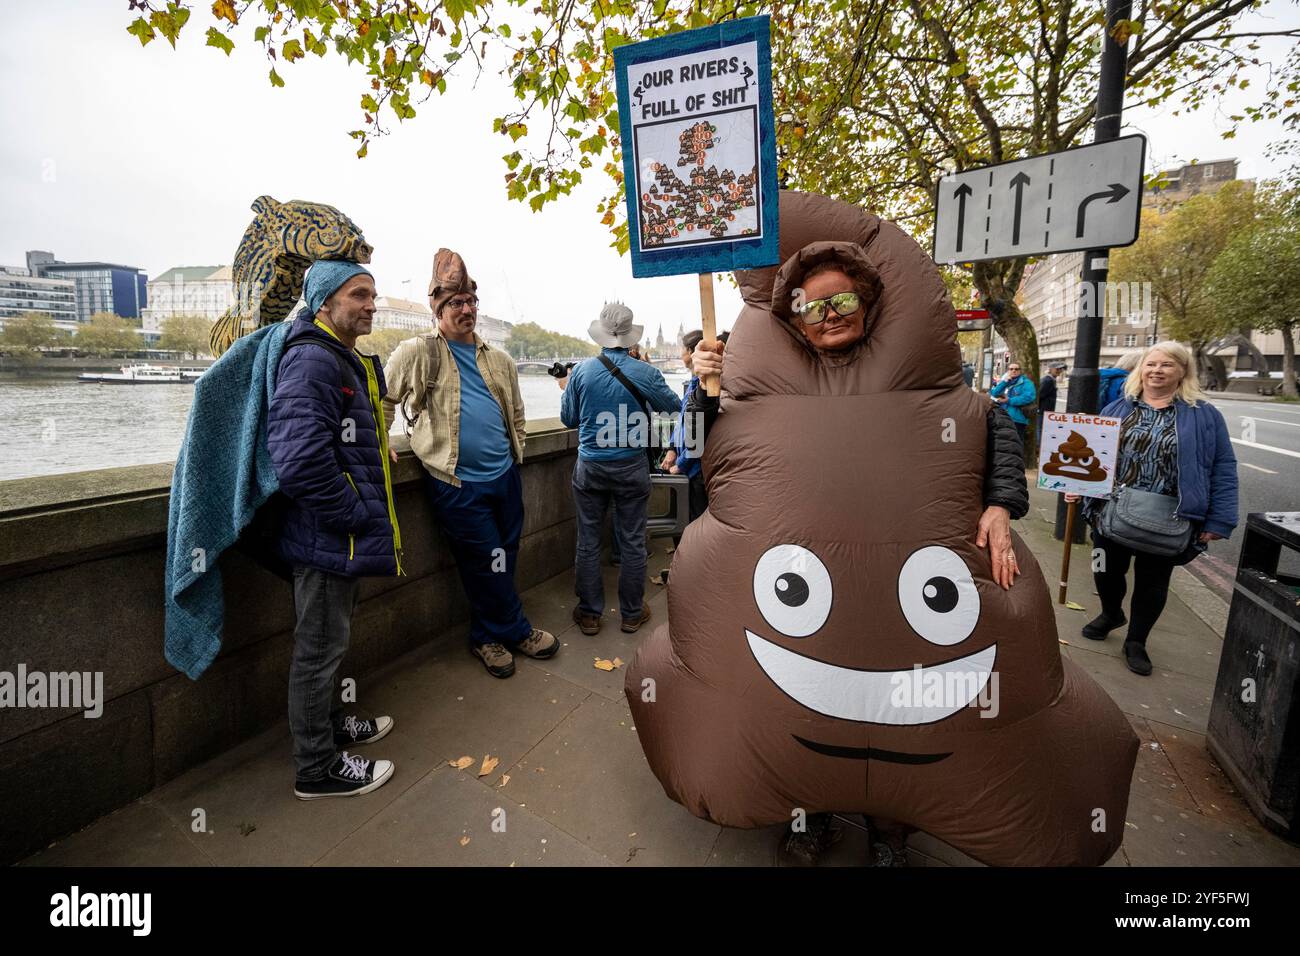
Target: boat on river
(145, 375)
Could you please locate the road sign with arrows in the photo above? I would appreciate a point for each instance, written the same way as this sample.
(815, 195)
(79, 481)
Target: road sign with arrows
(1089, 197)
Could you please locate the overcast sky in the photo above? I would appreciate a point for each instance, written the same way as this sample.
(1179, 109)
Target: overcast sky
(151, 157)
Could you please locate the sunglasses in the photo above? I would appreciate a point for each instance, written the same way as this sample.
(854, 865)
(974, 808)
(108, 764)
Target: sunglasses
(843, 303)
(458, 304)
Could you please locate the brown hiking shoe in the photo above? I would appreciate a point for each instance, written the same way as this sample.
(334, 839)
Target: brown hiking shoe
(631, 624)
(539, 644)
(589, 623)
(498, 661)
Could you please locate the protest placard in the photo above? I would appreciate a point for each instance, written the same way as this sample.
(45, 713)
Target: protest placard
(1076, 454)
(699, 149)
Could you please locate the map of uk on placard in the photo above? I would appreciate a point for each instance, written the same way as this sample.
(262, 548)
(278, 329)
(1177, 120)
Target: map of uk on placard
(695, 143)
(696, 179)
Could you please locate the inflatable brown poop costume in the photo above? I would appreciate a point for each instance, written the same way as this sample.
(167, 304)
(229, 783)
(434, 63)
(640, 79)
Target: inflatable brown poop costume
(830, 618)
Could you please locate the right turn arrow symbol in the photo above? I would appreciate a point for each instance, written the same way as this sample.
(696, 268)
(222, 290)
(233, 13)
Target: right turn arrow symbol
(1114, 194)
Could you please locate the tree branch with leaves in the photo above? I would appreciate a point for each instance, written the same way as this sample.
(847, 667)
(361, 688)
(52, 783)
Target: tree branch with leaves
(887, 98)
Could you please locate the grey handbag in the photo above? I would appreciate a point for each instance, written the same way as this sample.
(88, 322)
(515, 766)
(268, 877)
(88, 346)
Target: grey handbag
(1146, 522)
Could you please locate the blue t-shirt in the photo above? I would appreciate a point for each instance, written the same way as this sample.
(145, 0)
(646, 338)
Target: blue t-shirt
(484, 445)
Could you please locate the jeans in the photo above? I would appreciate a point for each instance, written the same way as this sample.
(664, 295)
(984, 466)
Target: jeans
(323, 603)
(483, 521)
(625, 484)
(1151, 573)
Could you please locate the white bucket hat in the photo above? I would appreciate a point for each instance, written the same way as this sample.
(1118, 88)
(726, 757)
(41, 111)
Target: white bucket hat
(615, 329)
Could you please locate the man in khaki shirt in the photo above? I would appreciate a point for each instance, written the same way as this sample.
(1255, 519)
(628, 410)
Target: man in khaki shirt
(462, 399)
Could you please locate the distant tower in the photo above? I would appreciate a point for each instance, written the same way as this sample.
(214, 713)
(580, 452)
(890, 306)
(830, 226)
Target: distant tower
(659, 339)
(681, 333)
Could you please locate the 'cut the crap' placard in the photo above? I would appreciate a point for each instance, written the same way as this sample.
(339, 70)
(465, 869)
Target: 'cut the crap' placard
(1077, 454)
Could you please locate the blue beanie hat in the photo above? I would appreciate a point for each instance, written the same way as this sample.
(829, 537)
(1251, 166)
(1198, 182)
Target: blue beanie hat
(324, 278)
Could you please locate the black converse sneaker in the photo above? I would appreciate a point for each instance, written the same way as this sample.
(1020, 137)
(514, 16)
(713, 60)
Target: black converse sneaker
(349, 777)
(355, 730)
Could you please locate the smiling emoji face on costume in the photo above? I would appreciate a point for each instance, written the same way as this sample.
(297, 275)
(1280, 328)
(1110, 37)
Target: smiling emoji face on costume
(835, 641)
(936, 592)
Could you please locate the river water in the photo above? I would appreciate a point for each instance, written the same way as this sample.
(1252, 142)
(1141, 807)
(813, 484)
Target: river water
(53, 426)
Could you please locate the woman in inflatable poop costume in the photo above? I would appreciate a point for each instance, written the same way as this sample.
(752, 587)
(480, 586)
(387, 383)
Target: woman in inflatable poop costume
(831, 622)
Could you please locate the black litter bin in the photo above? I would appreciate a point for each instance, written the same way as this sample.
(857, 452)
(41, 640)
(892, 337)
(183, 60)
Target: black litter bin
(1255, 717)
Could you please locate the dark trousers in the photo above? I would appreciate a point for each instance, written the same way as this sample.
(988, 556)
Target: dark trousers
(1151, 574)
(483, 521)
(698, 502)
(624, 484)
(323, 603)
(699, 496)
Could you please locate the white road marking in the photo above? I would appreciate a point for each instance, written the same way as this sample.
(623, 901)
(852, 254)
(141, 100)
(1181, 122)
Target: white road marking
(1275, 421)
(1274, 408)
(1267, 471)
(1276, 451)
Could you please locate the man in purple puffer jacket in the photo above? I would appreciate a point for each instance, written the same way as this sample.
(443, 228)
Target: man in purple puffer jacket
(333, 465)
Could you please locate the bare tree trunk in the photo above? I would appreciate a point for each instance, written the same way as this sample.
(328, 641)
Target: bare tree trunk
(997, 283)
(1288, 359)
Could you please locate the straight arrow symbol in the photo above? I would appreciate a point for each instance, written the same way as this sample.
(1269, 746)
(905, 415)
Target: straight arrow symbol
(1018, 182)
(1114, 194)
(961, 193)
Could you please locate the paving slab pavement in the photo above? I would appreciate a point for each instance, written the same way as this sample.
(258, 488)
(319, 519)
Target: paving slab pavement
(571, 786)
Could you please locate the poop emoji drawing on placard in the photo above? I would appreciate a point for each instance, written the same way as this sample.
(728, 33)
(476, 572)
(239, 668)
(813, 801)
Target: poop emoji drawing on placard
(1074, 459)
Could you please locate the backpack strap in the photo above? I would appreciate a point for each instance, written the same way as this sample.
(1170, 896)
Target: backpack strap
(626, 383)
(433, 365)
(434, 351)
(635, 392)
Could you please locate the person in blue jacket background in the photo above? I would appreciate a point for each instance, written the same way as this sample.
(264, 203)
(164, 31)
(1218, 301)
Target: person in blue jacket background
(1110, 381)
(1016, 393)
(1172, 442)
(332, 461)
(683, 458)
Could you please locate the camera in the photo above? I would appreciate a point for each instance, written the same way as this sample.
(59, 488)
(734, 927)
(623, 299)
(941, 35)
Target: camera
(560, 369)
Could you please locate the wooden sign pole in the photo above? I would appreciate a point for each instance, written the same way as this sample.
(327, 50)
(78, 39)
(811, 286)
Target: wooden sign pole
(1065, 558)
(712, 383)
